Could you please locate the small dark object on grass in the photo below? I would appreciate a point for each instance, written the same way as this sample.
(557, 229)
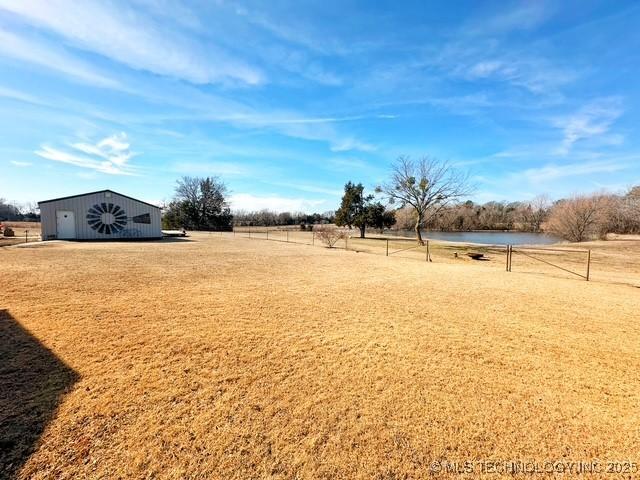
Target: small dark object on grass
(8, 232)
(476, 256)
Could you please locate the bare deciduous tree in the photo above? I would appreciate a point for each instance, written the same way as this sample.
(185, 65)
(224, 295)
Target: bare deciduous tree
(199, 203)
(535, 212)
(579, 218)
(427, 185)
(329, 235)
(624, 214)
(188, 188)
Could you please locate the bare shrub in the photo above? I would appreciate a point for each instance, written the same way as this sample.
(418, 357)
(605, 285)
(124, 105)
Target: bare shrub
(329, 235)
(8, 232)
(579, 218)
(623, 215)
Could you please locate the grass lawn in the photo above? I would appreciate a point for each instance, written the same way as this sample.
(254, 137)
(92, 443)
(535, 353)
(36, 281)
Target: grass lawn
(215, 357)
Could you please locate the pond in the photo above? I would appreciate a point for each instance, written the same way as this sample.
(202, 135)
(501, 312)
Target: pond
(491, 237)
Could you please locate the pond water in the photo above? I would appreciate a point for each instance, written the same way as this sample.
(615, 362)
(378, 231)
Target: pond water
(492, 237)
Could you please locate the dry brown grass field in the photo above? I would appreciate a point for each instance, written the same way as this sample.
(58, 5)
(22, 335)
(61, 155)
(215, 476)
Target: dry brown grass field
(215, 357)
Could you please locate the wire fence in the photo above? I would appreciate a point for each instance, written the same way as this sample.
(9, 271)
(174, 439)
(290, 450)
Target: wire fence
(575, 262)
(20, 236)
(566, 262)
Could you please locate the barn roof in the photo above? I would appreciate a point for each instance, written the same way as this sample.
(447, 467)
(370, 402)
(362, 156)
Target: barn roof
(93, 193)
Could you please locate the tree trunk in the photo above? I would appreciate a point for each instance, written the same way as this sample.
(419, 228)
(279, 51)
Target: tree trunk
(417, 229)
(362, 228)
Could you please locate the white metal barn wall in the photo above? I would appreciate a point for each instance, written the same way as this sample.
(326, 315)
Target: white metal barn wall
(97, 218)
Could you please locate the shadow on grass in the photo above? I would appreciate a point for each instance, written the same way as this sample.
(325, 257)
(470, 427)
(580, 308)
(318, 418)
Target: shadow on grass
(32, 382)
(176, 239)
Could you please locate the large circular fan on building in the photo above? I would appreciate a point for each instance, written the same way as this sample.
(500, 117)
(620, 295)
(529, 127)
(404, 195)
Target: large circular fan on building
(106, 218)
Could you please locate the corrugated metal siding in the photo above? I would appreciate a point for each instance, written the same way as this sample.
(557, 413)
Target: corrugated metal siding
(80, 206)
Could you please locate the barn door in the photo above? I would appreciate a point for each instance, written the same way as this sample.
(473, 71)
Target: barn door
(65, 224)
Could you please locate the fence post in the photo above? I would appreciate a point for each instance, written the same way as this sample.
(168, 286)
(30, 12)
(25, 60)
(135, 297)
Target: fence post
(26, 239)
(428, 254)
(313, 238)
(387, 247)
(511, 258)
(588, 263)
(507, 264)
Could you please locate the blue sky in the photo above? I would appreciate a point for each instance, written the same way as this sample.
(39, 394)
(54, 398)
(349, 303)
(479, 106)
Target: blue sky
(286, 101)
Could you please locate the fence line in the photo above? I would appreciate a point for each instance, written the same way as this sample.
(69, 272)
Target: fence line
(523, 251)
(442, 248)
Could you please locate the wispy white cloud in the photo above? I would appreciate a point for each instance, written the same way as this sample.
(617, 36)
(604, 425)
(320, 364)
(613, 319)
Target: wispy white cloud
(480, 51)
(552, 172)
(110, 155)
(52, 58)
(21, 164)
(512, 153)
(348, 164)
(307, 128)
(250, 202)
(284, 118)
(536, 75)
(300, 64)
(522, 17)
(114, 149)
(593, 120)
(305, 187)
(291, 45)
(20, 96)
(316, 72)
(486, 68)
(211, 108)
(297, 32)
(556, 179)
(227, 169)
(470, 104)
(350, 143)
(170, 10)
(121, 34)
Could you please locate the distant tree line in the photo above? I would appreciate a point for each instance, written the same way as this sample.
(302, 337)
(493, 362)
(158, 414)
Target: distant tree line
(426, 193)
(429, 193)
(421, 194)
(202, 204)
(577, 218)
(523, 216)
(18, 212)
(268, 218)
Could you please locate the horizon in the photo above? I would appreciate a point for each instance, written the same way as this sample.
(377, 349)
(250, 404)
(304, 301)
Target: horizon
(287, 103)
